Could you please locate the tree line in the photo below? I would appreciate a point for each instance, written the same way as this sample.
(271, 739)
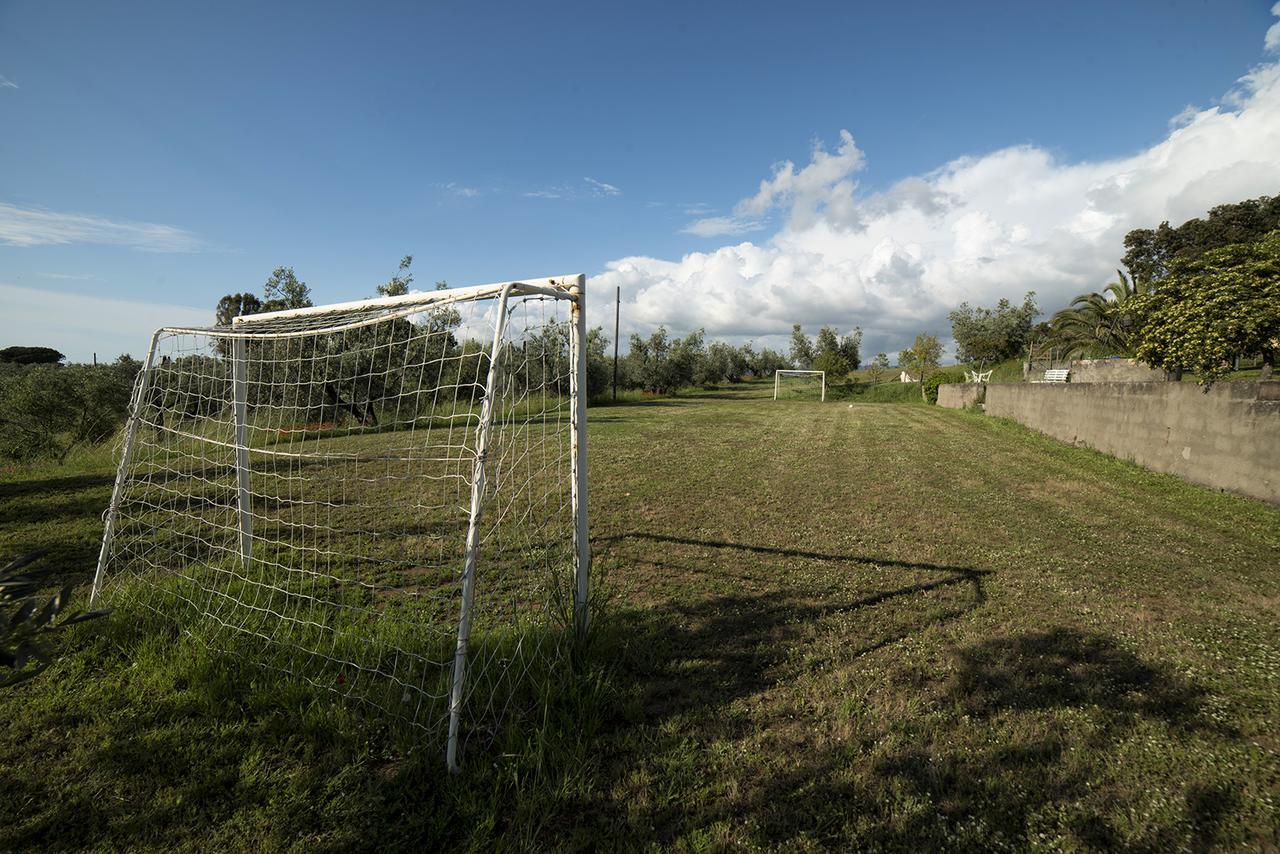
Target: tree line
(1196, 298)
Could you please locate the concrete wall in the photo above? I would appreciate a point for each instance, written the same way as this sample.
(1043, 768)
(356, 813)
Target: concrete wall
(1114, 371)
(1104, 371)
(960, 395)
(1228, 438)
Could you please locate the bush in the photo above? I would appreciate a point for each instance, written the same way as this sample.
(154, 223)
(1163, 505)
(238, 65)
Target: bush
(47, 410)
(936, 379)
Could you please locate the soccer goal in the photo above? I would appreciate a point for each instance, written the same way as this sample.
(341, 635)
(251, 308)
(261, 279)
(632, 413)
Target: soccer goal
(386, 498)
(801, 383)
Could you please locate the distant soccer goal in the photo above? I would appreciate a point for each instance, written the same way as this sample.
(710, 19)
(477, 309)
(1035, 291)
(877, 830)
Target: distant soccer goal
(386, 498)
(789, 383)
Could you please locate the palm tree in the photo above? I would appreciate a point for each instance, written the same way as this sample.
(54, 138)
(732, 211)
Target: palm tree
(1099, 324)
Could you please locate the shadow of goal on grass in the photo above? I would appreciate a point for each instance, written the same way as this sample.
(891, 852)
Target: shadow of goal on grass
(1021, 729)
(718, 648)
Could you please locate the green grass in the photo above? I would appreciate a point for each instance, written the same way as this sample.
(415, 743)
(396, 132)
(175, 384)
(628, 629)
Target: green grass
(826, 626)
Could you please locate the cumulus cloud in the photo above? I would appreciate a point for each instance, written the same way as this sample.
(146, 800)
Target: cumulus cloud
(975, 229)
(38, 227)
(1273, 33)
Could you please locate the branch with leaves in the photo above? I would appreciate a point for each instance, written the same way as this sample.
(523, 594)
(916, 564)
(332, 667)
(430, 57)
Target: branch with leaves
(26, 643)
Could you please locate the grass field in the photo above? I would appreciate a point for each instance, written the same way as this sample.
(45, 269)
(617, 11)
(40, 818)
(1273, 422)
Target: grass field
(869, 624)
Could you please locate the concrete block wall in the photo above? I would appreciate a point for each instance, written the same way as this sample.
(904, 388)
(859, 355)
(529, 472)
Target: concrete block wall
(1227, 438)
(960, 395)
(1104, 371)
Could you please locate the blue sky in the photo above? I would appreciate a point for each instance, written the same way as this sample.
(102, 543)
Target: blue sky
(165, 154)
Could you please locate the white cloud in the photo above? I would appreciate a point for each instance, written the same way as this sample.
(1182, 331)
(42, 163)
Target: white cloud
(6, 83)
(79, 325)
(456, 189)
(543, 194)
(600, 188)
(78, 277)
(1272, 40)
(975, 229)
(37, 227)
(716, 226)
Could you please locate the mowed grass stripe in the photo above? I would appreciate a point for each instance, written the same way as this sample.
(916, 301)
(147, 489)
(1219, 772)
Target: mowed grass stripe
(868, 626)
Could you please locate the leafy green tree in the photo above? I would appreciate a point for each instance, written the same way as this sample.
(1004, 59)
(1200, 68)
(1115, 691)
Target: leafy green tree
(802, 351)
(839, 354)
(986, 335)
(766, 362)
(828, 341)
(31, 355)
(232, 306)
(922, 357)
(47, 410)
(719, 364)
(878, 368)
(1149, 253)
(599, 365)
(284, 290)
(851, 348)
(1209, 309)
(828, 355)
(833, 365)
(662, 365)
(399, 284)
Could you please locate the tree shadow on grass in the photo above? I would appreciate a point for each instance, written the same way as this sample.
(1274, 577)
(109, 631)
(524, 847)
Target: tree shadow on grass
(1009, 756)
(44, 486)
(1021, 729)
(996, 744)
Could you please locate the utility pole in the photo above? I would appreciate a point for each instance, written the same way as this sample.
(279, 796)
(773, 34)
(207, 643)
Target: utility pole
(617, 308)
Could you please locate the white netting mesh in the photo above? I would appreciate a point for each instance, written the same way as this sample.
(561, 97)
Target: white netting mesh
(362, 429)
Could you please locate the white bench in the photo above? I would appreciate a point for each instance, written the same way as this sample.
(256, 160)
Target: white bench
(976, 377)
(1057, 376)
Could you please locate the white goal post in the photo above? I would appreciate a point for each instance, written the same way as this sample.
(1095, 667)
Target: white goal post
(384, 498)
(779, 374)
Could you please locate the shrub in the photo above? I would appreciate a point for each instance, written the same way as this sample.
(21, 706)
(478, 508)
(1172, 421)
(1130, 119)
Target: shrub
(46, 410)
(936, 379)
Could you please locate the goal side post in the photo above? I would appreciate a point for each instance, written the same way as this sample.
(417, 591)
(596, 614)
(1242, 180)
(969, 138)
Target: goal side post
(140, 389)
(240, 412)
(458, 676)
(795, 372)
(578, 450)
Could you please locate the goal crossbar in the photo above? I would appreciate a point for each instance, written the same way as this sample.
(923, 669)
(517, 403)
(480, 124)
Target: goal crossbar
(360, 313)
(792, 372)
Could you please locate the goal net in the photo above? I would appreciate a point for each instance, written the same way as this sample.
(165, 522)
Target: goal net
(385, 499)
(807, 385)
